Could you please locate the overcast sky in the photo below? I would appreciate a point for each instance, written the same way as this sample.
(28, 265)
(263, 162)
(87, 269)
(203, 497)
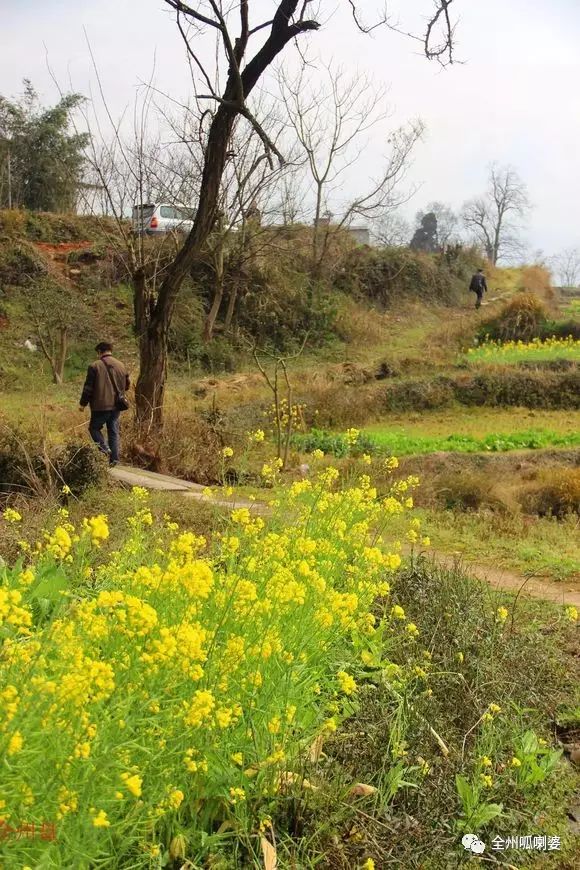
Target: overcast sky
(514, 99)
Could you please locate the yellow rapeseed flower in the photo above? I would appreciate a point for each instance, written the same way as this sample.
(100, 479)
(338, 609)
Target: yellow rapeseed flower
(59, 544)
(346, 682)
(101, 820)
(98, 529)
(236, 795)
(175, 798)
(15, 743)
(133, 783)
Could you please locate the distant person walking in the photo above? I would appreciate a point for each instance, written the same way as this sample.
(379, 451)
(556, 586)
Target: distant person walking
(479, 286)
(104, 390)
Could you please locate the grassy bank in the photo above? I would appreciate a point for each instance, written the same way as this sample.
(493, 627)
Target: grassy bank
(540, 546)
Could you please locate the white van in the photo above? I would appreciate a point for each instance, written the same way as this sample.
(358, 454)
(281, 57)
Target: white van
(156, 219)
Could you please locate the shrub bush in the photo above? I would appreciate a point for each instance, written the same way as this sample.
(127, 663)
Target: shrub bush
(20, 264)
(516, 387)
(468, 491)
(562, 329)
(189, 447)
(31, 465)
(419, 394)
(336, 405)
(556, 492)
(386, 275)
(521, 319)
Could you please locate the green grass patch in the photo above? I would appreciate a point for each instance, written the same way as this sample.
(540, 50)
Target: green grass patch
(476, 421)
(402, 444)
(572, 308)
(544, 546)
(529, 439)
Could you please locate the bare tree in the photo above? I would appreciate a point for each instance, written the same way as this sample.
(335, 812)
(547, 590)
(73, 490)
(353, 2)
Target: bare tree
(330, 121)
(447, 222)
(567, 267)
(392, 231)
(210, 18)
(248, 185)
(495, 218)
(56, 313)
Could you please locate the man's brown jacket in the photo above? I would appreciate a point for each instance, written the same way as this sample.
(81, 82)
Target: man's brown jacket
(98, 391)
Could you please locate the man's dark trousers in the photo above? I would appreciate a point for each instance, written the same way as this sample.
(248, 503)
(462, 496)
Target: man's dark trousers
(110, 419)
(479, 298)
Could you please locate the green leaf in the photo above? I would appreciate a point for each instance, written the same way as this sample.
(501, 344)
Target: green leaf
(51, 584)
(484, 814)
(466, 794)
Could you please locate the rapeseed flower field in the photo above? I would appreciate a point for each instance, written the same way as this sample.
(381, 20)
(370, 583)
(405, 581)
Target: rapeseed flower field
(537, 350)
(155, 694)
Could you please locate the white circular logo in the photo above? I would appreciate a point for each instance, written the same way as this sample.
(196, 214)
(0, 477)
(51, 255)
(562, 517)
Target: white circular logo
(472, 843)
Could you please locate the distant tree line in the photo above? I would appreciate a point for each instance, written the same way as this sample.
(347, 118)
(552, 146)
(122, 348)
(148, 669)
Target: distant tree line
(492, 221)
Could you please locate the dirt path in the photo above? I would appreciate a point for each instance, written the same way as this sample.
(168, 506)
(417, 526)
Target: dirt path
(563, 593)
(128, 476)
(566, 592)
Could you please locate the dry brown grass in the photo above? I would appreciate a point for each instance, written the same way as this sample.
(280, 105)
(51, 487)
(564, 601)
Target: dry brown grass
(360, 326)
(189, 446)
(520, 319)
(555, 492)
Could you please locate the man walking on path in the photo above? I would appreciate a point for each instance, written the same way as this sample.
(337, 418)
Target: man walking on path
(104, 390)
(479, 286)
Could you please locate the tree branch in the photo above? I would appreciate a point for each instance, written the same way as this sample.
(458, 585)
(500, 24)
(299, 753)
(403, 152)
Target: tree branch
(192, 13)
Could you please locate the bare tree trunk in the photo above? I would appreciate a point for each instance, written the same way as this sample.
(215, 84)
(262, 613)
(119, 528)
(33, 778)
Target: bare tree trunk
(496, 244)
(150, 387)
(215, 307)
(140, 301)
(218, 294)
(231, 308)
(316, 230)
(61, 356)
